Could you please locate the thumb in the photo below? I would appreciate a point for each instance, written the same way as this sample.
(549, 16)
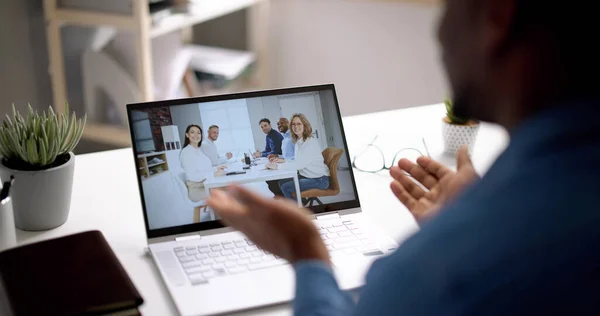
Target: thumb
(462, 159)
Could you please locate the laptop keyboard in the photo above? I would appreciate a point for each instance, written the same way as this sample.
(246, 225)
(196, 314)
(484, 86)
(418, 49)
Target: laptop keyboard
(207, 261)
(348, 238)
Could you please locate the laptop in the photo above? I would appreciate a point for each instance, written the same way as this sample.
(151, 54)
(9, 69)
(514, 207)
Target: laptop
(209, 268)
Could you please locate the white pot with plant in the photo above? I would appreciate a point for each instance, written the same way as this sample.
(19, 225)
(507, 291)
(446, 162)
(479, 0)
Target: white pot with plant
(458, 131)
(37, 151)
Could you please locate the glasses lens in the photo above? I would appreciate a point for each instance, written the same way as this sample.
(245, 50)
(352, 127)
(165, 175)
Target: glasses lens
(369, 160)
(411, 154)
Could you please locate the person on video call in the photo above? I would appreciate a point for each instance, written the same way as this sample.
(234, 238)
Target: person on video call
(287, 152)
(287, 145)
(522, 240)
(210, 149)
(313, 173)
(273, 140)
(196, 164)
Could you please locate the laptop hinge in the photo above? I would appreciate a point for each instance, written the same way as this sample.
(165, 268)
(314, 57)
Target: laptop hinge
(335, 215)
(186, 238)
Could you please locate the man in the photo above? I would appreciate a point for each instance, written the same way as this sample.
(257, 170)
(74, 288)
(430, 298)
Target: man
(273, 140)
(287, 146)
(210, 149)
(524, 239)
(287, 152)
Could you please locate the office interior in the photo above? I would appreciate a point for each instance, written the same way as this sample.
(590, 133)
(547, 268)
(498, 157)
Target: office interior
(98, 56)
(387, 61)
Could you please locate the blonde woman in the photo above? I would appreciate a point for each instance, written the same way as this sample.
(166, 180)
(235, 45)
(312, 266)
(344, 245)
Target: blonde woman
(196, 164)
(308, 160)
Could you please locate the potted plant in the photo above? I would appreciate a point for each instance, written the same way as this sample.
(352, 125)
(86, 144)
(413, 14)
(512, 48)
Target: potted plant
(37, 151)
(457, 131)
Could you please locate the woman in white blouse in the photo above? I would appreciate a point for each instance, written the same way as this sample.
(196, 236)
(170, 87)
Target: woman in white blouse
(196, 164)
(313, 173)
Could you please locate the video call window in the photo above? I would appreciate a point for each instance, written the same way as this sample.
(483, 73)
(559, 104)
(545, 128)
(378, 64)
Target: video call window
(283, 146)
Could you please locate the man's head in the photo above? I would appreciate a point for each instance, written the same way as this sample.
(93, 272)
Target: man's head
(213, 132)
(265, 125)
(507, 59)
(283, 125)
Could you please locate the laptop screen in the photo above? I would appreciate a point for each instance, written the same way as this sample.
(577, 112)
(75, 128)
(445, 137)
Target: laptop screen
(282, 144)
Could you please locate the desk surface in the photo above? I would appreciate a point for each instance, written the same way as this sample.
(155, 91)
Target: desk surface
(107, 199)
(254, 174)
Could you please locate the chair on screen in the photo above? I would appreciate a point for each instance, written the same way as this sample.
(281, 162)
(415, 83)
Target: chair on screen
(198, 206)
(332, 157)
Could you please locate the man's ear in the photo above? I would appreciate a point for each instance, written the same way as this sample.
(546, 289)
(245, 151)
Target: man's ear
(499, 19)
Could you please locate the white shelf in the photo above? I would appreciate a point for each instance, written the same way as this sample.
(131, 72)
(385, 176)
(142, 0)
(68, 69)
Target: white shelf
(156, 164)
(156, 153)
(205, 10)
(139, 23)
(87, 18)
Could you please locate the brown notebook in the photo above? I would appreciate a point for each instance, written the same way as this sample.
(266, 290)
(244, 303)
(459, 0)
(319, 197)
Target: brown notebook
(73, 275)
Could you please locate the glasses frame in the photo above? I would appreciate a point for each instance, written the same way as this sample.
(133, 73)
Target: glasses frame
(384, 167)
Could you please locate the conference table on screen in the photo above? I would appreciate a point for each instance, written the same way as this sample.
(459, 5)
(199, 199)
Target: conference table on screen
(106, 196)
(256, 173)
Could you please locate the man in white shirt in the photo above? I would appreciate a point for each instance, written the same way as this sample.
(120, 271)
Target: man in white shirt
(287, 145)
(210, 149)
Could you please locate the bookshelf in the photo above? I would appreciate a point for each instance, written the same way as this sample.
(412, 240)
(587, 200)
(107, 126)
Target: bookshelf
(152, 164)
(139, 22)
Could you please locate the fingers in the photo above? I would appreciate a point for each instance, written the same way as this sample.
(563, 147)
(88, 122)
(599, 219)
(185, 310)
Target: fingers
(462, 159)
(256, 202)
(226, 207)
(409, 185)
(417, 172)
(433, 167)
(403, 195)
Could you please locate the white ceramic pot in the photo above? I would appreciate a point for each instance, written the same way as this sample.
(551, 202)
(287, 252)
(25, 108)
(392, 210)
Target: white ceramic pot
(457, 135)
(41, 199)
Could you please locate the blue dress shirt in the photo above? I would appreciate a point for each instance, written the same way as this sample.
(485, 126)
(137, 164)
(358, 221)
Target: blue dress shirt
(287, 146)
(273, 143)
(523, 240)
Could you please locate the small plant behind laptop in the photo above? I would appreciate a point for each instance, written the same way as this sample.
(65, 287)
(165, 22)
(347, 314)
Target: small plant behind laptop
(38, 151)
(457, 130)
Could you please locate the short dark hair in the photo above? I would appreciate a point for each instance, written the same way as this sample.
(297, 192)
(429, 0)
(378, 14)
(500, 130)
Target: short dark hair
(212, 126)
(264, 120)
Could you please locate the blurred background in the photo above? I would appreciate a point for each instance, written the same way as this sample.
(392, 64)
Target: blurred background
(101, 55)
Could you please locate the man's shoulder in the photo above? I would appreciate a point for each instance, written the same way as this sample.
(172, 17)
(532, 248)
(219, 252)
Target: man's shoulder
(275, 134)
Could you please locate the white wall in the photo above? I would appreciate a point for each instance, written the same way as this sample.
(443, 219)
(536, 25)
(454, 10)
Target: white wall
(184, 115)
(334, 134)
(381, 55)
(259, 108)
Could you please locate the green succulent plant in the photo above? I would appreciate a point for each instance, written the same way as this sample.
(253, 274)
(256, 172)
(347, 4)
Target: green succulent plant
(36, 141)
(451, 116)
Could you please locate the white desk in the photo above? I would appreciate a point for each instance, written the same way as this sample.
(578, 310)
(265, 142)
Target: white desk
(256, 173)
(106, 198)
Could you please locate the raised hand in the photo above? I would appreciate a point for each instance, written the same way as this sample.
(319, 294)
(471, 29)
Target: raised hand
(441, 183)
(277, 226)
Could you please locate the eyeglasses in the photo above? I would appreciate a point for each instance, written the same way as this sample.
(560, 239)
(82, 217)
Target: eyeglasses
(371, 159)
